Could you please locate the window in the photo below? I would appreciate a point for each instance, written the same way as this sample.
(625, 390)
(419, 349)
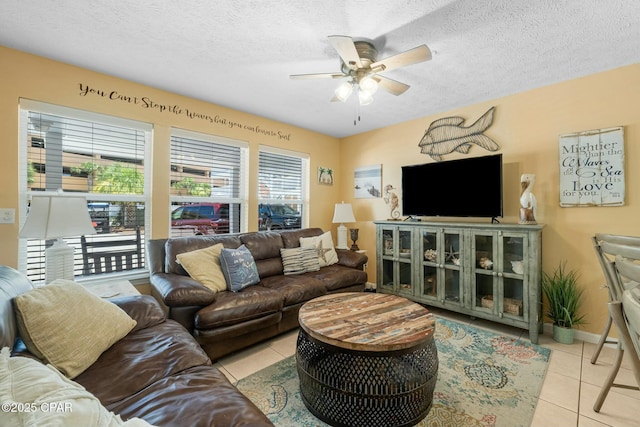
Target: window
(283, 188)
(100, 156)
(208, 184)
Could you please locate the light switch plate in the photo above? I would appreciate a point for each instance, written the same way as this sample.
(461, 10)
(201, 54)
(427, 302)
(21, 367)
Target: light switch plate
(7, 215)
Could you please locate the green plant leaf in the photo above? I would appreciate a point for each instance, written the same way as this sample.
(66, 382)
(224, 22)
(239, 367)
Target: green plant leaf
(564, 296)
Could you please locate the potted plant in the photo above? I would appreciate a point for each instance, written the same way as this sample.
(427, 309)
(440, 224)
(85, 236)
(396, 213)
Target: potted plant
(564, 298)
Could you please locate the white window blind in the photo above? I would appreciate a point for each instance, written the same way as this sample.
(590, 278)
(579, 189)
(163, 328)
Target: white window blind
(208, 184)
(99, 156)
(282, 188)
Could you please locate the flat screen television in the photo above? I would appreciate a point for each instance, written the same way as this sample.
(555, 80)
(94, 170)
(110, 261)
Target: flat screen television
(470, 187)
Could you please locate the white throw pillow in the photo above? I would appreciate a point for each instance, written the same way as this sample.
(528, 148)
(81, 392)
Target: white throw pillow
(323, 244)
(42, 396)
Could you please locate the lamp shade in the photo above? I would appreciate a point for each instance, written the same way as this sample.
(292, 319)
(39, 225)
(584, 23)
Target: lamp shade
(343, 213)
(52, 217)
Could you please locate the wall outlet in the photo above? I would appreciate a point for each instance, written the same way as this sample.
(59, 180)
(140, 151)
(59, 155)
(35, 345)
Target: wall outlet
(7, 215)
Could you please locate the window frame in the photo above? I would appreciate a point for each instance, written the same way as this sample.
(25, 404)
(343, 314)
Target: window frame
(304, 181)
(24, 194)
(243, 184)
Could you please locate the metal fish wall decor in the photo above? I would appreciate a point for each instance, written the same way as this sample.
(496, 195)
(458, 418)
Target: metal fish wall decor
(447, 135)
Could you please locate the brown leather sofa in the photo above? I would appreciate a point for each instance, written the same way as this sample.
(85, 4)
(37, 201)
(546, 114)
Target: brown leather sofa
(157, 372)
(226, 321)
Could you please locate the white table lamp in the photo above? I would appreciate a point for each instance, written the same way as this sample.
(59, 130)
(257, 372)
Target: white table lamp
(342, 213)
(55, 217)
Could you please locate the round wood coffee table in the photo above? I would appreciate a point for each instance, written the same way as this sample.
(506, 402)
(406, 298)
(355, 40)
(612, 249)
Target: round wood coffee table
(366, 359)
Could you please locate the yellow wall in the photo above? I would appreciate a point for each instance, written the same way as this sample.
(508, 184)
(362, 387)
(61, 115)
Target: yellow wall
(526, 126)
(27, 76)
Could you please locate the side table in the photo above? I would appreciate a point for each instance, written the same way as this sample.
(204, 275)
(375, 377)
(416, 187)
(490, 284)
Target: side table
(112, 288)
(366, 360)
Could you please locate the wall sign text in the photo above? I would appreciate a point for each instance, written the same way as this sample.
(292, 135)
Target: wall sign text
(592, 168)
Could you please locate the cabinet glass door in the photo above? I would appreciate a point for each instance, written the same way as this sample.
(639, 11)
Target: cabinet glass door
(451, 256)
(441, 265)
(396, 268)
(404, 265)
(430, 265)
(387, 283)
(513, 274)
(484, 288)
(387, 275)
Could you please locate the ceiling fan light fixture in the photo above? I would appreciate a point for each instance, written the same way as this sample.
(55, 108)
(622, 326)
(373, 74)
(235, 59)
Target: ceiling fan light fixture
(359, 64)
(365, 97)
(368, 84)
(344, 91)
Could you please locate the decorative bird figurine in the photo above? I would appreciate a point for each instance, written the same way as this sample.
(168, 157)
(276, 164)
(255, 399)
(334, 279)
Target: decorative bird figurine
(447, 135)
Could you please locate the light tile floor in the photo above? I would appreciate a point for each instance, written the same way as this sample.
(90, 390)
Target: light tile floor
(569, 390)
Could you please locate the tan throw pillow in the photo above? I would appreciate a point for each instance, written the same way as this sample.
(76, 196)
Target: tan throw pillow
(327, 255)
(68, 326)
(204, 266)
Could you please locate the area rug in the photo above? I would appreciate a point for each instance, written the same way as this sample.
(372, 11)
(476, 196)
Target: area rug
(484, 379)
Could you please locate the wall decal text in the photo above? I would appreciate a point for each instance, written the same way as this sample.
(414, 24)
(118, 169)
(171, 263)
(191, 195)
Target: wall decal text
(147, 103)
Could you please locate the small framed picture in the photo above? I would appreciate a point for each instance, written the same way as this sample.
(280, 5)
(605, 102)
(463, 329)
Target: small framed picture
(367, 182)
(325, 175)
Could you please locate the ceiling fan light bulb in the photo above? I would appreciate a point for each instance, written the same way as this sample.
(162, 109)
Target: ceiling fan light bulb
(344, 91)
(365, 97)
(369, 85)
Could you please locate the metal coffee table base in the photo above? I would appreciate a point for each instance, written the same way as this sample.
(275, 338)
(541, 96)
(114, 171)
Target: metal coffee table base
(360, 388)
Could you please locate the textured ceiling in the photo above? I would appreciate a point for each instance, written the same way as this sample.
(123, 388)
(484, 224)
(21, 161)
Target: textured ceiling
(239, 54)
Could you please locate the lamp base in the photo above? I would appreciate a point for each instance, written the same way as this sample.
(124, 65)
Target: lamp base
(342, 237)
(59, 261)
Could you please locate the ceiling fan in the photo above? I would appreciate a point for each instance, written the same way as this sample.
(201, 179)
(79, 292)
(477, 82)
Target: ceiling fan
(360, 65)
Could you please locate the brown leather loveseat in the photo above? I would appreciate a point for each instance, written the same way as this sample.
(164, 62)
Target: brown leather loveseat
(226, 321)
(157, 372)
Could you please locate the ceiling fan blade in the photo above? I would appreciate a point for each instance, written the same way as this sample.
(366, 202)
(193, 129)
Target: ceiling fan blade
(347, 51)
(411, 56)
(392, 86)
(318, 76)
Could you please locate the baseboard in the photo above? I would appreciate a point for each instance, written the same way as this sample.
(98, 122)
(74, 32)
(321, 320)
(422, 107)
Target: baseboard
(579, 335)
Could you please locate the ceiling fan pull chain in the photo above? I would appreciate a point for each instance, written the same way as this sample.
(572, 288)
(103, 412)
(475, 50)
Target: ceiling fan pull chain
(355, 114)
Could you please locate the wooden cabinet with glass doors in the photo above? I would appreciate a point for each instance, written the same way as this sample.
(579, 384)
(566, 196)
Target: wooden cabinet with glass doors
(489, 271)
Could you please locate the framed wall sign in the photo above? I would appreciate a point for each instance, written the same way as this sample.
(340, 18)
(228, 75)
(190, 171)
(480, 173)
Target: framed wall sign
(592, 168)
